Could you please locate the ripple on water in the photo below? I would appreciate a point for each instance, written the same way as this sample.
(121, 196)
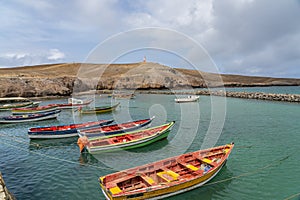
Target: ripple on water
(264, 132)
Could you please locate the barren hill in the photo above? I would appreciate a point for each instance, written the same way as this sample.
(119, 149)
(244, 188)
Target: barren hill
(65, 78)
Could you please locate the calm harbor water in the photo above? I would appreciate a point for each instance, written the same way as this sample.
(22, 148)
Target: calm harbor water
(263, 165)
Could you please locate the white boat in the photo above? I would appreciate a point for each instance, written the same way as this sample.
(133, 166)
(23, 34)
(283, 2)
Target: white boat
(73, 103)
(187, 99)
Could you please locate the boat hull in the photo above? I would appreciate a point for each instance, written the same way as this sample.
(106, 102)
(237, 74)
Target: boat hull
(53, 136)
(20, 105)
(136, 144)
(50, 115)
(103, 133)
(125, 141)
(100, 110)
(186, 100)
(168, 177)
(73, 105)
(170, 191)
(33, 111)
(61, 133)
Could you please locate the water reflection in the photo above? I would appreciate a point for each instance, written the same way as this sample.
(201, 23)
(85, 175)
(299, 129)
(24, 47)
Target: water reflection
(87, 158)
(214, 188)
(123, 159)
(52, 143)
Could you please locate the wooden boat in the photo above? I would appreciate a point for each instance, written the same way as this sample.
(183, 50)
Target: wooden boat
(6, 107)
(115, 128)
(29, 117)
(123, 96)
(166, 177)
(63, 131)
(100, 109)
(73, 103)
(126, 140)
(14, 99)
(39, 109)
(187, 99)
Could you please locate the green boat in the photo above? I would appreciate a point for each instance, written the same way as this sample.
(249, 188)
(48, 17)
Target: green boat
(6, 107)
(125, 141)
(100, 109)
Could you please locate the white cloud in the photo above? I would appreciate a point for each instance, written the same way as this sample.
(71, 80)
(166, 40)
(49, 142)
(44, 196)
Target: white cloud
(263, 34)
(11, 59)
(55, 54)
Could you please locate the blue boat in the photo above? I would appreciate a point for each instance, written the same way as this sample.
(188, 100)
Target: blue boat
(64, 131)
(115, 128)
(29, 117)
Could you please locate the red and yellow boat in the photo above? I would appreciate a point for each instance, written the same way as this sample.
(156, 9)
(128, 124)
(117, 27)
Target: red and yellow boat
(166, 177)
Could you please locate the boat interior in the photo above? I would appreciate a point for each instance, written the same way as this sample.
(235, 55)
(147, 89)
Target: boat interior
(165, 172)
(126, 138)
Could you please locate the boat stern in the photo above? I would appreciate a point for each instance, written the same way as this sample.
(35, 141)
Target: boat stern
(82, 142)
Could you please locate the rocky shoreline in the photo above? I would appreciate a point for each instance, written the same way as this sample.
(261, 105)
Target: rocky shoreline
(65, 79)
(4, 193)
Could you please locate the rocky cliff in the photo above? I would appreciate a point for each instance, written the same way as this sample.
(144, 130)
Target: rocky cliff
(64, 79)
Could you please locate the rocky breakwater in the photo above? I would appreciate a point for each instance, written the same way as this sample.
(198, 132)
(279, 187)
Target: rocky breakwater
(4, 193)
(256, 95)
(244, 95)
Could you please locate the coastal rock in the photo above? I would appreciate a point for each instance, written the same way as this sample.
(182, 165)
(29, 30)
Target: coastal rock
(64, 79)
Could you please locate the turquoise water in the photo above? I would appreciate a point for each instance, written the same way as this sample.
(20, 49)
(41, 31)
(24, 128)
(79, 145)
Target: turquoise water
(263, 165)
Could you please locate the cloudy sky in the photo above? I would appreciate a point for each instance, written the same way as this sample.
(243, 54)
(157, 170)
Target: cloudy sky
(250, 37)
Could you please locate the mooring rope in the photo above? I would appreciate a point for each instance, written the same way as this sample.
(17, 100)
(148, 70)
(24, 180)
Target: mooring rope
(37, 145)
(292, 196)
(53, 157)
(272, 164)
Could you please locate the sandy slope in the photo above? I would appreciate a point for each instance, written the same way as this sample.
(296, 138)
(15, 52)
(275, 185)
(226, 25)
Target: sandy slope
(64, 78)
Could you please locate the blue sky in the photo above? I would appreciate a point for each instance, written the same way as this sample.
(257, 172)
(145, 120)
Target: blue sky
(249, 37)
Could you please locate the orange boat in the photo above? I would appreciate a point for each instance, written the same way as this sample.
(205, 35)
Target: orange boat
(166, 177)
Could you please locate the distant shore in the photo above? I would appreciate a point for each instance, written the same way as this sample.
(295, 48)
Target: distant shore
(221, 93)
(244, 95)
(63, 79)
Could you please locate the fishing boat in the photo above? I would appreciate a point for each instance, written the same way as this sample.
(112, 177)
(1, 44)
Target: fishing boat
(73, 103)
(187, 99)
(6, 107)
(99, 109)
(125, 141)
(63, 131)
(115, 128)
(166, 177)
(14, 99)
(29, 117)
(36, 110)
(123, 96)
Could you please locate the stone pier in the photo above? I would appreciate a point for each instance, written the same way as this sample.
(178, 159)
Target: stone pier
(4, 193)
(244, 95)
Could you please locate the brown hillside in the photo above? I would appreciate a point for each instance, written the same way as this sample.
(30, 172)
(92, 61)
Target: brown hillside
(65, 78)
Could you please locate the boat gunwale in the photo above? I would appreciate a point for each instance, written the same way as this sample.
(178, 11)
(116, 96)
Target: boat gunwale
(131, 132)
(94, 123)
(99, 109)
(100, 134)
(135, 170)
(131, 142)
